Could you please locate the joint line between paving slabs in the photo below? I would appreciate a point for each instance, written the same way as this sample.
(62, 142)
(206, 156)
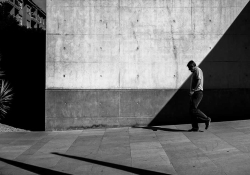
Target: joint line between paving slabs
(165, 153)
(99, 148)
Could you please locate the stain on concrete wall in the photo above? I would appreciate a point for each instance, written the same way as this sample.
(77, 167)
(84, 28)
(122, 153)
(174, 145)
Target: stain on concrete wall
(118, 45)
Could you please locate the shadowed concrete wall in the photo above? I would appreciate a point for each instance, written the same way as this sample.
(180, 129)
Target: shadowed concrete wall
(119, 62)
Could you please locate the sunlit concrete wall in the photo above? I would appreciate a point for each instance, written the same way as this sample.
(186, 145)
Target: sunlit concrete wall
(119, 62)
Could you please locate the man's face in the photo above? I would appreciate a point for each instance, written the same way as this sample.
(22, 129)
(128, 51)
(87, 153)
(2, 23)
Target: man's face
(191, 68)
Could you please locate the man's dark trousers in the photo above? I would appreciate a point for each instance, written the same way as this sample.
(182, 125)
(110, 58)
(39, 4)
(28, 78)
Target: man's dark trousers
(196, 114)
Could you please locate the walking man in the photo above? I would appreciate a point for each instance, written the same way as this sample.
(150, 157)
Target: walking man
(196, 94)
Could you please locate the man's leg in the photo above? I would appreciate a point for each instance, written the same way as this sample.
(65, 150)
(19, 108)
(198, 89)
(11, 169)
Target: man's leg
(198, 113)
(192, 108)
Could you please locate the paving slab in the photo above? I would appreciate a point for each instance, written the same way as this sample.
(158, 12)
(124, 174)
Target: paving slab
(83, 150)
(87, 141)
(203, 171)
(184, 153)
(172, 138)
(104, 170)
(212, 145)
(149, 153)
(43, 160)
(245, 130)
(239, 124)
(143, 138)
(15, 167)
(73, 166)
(120, 159)
(12, 135)
(114, 150)
(182, 164)
(11, 169)
(160, 166)
(145, 145)
(112, 139)
(92, 132)
(33, 135)
(223, 149)
(12, 152)
(233, 163)
(36, 146)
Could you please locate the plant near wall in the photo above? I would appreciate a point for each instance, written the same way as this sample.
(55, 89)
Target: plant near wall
(23, 61)
(6, 96)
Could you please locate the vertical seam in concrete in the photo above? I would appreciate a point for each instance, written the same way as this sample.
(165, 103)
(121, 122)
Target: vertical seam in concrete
(191, 3)
(193, 29)
(203, 9)
(98, 149)
(98, 105)
(119, 106)
(119, 14)
(130, 146)
(119, 34)
(165, 152)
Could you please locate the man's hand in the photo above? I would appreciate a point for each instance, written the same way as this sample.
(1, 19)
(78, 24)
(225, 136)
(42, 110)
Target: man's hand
(191, 92)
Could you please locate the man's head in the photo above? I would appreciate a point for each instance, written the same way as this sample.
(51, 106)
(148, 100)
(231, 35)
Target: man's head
(191, 65)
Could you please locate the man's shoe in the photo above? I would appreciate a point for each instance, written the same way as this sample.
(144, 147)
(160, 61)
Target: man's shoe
(208, 123)
(194, 130)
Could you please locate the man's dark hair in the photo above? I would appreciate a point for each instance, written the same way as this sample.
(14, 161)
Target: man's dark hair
(191, 63)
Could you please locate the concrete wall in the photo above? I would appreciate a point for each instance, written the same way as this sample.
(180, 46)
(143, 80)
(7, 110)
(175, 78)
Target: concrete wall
(123, 62)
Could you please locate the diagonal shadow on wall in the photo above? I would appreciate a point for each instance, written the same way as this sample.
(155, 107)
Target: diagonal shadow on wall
(227, 79)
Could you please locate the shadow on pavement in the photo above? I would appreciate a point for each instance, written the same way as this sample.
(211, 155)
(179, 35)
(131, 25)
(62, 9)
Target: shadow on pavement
(32, 168)
(112, 165)
(154, 128)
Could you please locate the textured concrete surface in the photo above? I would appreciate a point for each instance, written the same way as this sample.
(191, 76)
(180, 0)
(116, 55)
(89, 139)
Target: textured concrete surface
(71, 109)
(128, 59)
(122, 44)
(223, 149)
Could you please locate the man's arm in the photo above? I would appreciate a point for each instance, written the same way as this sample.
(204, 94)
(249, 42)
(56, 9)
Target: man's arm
(197, 80)
(197, 84)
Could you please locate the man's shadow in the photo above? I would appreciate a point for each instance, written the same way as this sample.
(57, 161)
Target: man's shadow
(155, 128)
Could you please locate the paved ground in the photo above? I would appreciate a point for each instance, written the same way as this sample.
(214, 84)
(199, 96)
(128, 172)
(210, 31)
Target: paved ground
(7, 128)
(224, 149)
